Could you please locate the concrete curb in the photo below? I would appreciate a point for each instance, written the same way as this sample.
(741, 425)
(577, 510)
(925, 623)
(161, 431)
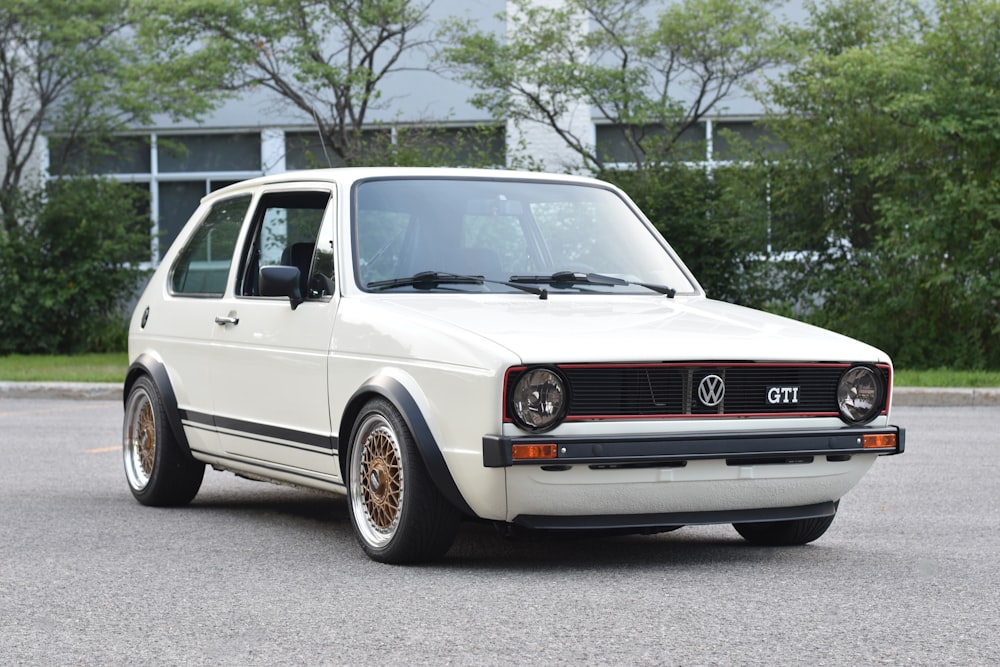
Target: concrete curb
(902, 396)
(97, 391)
(945, 397)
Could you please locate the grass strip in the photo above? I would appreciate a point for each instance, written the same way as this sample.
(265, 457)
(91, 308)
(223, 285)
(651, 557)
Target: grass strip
(109, 367)
(945, 377)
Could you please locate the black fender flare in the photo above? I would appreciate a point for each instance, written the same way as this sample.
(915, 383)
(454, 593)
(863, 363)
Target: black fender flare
(393, 391)
(153, 368)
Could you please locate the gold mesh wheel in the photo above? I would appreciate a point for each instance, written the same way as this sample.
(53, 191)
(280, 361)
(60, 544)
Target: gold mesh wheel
(398, 514)
(139, 439)
(377, 483)
(159, 472)
(382, 478)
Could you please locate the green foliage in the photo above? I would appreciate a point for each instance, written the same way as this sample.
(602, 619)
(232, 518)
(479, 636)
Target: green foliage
(78, 73)
(653, 72)
(891, 128)
(325, 58)
(69, 269)
(428, 146)
(691, 208)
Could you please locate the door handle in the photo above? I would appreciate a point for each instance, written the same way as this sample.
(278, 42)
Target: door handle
(228, 319)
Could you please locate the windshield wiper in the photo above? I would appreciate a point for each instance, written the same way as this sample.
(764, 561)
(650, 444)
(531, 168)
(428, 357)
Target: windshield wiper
(428, 280)
(562, 279)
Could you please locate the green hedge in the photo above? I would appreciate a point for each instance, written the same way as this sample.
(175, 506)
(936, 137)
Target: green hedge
(69, 266)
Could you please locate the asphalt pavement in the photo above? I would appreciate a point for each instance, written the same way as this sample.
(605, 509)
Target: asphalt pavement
(901, 396)
(260, 574)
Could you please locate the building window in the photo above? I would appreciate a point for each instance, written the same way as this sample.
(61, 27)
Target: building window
(305, 150)
(731, 138)
(415, 144)
(457, 146)
(177, 200)
(180, 169)
(713, 140)
(118, 155)
(613, 147)
(209, 152)
(177, 170)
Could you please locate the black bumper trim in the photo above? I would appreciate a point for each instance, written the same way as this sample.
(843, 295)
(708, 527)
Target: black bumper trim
(673, 519)
(664, 448)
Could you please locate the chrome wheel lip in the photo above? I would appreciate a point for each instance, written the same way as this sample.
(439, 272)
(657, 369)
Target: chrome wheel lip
(376, 461)
(139, 439)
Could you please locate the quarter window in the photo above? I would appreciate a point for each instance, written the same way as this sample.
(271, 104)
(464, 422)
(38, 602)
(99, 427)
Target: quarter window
(203, 266)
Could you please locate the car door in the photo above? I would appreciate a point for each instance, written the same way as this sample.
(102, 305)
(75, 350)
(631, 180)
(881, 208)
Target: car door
(182, 322)
(270, 386)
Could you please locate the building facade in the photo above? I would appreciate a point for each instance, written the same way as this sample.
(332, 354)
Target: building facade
(181, 161)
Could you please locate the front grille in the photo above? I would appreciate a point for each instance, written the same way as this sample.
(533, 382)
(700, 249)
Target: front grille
(624, 391)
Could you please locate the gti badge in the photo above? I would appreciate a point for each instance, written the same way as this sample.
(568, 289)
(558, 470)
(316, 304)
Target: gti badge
(711, 390)
(782, 395)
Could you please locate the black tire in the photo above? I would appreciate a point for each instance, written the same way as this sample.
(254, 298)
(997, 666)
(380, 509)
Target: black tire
(397, 512)
(784, 533)
(158, 472)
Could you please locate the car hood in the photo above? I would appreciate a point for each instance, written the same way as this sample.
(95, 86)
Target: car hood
(625, 328)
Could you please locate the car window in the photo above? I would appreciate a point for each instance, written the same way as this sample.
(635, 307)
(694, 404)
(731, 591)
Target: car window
(380, 242)
(403, 228)
(576, 238)
(202, 267)
(287, 231)
(496, 246)
(505, 228)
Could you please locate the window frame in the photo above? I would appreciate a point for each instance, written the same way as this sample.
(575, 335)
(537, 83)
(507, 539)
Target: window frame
(270, 200)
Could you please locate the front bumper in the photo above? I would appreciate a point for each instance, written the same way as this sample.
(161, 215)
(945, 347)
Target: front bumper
(736, 446)
(670, 520)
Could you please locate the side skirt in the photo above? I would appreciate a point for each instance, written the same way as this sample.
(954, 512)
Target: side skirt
(270, 472)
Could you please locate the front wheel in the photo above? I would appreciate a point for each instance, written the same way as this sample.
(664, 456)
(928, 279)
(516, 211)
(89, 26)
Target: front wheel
(398, 515)
(158, 472)
(784, 533)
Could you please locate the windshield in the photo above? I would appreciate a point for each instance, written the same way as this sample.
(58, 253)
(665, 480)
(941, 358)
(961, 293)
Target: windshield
(502, 230)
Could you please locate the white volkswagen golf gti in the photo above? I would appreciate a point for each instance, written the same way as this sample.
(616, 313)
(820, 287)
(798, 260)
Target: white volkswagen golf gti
(517, 348)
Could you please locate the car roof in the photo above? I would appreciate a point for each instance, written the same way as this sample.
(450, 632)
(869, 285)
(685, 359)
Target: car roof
(348, 175)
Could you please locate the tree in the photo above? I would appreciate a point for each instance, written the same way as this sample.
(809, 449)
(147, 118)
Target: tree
(651, 73)
(70, 249)
(891, 129)
(76, 75)
(325, 57)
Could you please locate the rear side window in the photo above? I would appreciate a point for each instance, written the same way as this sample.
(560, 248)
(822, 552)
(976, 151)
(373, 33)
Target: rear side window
(203, 266)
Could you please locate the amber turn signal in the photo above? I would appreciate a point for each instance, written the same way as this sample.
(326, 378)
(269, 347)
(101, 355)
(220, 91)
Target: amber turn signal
(879, 441)
(530, 452)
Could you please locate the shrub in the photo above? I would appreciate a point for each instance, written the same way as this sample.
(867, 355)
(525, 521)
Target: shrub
(687, 205)
(70, 266)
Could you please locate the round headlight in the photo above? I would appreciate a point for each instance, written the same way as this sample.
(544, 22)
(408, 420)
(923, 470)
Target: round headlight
(859, 395)
(538, 400)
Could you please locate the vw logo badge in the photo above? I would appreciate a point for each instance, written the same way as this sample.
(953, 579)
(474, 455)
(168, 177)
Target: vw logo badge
(711, 389)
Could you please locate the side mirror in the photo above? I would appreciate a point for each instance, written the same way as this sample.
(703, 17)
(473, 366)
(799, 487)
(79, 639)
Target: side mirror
(281, 281)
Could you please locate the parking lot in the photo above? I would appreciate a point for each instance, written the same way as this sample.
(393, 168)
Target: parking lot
(253, 573)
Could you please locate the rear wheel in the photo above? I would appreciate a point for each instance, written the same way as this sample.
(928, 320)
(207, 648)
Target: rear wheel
(784, 533)
(397, 513)
(158, 472)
